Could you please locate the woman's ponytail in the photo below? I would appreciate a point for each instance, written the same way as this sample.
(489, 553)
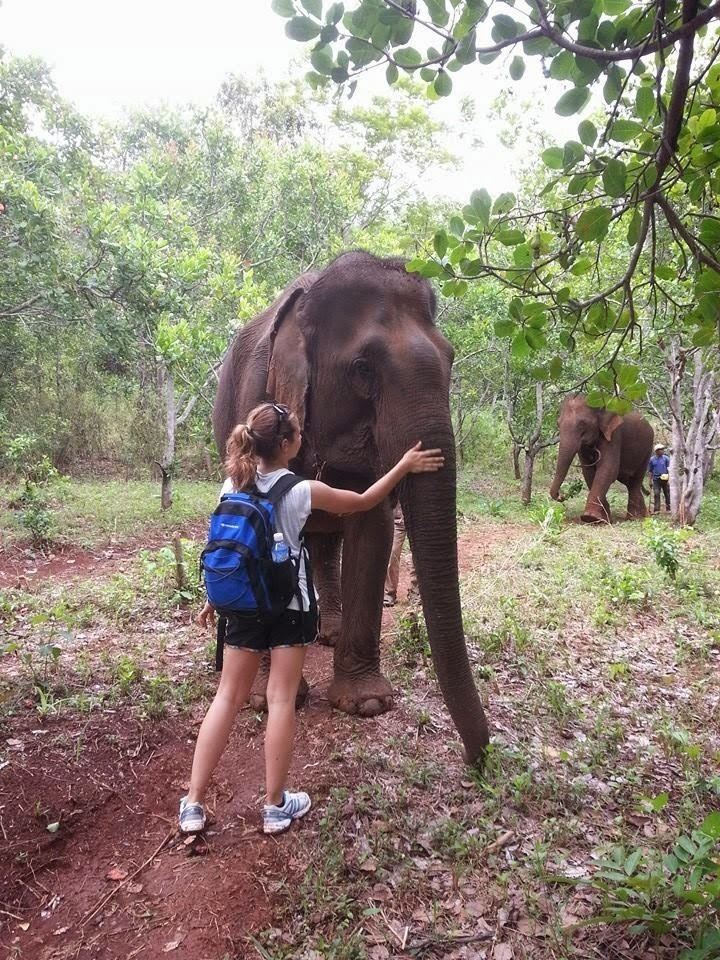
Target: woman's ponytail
(261, 437)
(241, 459)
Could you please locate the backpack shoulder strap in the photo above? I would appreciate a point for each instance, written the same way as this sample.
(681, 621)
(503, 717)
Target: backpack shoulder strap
(282, 485)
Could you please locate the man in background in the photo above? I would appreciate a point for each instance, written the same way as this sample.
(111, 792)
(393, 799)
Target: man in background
(393, 570)
(659, 470)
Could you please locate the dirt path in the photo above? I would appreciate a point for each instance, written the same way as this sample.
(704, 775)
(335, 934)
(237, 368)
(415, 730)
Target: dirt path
(22, 567)
(115, 880)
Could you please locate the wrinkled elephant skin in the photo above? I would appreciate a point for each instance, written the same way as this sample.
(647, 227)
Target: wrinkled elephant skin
(355, 352)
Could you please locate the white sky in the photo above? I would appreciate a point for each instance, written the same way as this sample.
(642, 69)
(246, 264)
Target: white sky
(111, 55)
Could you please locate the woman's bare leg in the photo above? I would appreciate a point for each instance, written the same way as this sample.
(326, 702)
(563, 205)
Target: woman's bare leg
(286, 664)
(238, 673)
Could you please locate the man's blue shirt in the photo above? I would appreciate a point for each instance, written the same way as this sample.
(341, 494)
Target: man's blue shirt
(659, 465)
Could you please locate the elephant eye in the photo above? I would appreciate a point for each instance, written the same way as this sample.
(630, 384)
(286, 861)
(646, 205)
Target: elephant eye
(362, 368)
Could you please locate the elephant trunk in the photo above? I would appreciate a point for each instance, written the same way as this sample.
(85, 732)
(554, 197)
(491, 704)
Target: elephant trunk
(566, 453)
(429, 506)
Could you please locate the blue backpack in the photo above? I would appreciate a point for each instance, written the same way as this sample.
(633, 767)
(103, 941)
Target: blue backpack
(237, 566)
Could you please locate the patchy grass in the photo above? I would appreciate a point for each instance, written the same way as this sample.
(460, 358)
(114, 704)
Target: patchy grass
(88, 513)
(599, 671)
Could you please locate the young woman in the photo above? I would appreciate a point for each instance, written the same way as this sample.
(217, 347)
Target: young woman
(258, 453)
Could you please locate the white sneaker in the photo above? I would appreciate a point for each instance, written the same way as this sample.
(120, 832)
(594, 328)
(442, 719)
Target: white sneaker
(276, 819)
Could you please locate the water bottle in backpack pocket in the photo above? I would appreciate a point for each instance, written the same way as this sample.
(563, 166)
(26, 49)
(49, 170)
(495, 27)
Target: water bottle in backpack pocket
(242, 573)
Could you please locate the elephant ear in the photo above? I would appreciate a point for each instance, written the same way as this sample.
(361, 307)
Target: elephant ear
(609, 422)
(288, 375)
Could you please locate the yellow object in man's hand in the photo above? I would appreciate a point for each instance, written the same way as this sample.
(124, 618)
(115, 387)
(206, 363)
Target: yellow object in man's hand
(664, 476)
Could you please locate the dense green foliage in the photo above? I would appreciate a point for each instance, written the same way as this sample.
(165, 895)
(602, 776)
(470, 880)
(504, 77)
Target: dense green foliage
(620, 231)
(132, 251)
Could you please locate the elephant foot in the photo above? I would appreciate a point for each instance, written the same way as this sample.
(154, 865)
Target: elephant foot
(258, 694)
(365, 696)
(330, 626)
(590, 517)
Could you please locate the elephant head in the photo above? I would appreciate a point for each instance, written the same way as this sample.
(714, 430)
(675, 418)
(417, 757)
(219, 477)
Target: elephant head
(356, 352)
(582, 428)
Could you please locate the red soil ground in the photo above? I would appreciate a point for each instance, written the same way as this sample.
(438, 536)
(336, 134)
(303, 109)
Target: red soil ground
(115, 880)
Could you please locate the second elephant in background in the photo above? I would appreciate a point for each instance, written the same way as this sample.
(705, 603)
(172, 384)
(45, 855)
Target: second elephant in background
(609, 447)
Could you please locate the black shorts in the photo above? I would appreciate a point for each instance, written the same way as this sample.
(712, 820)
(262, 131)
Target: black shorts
(293, 628)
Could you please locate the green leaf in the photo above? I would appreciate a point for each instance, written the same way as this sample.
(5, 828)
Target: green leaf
(443, 84)
(504, 203)
(457, 226)
(573, 152)
(572, 101)
(515, 308)
(562, 66)
(536, 338)
(313, 7)
(632, 861)
(504, 328)
(520, 347)
(627, 375)
(633, 232)
(440, 243)
(522, 256)
(416, 265)
(553, 158)
(302, 29)
(581, 266)
(334, 13)
(666, 273)
(510, 238)
(321, 58)
(710, 231)
(392, 74)
(614, 177)
(644, 102)
(481, 204)
(587, 131)
(593, 224)
(285, 8)
(711, 825)
(625, 130)
(555, 368)
(613, 8)
(705, 336)
(407, 57)
(505, 28)
(619, 405)
(517, 68)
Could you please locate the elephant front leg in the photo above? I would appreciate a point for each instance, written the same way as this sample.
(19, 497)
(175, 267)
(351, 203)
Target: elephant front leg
(325, 550)
(597, 508)
(358, 686)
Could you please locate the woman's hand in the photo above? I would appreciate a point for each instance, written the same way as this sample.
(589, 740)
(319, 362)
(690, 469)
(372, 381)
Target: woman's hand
(206, 617)
(417, 460)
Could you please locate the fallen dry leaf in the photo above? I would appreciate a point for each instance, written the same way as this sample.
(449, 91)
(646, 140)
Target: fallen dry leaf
(116, 873)
(60, 931)
(502, 951)
(369, 865)
(172, 945)
(134, 888)
(24, 926)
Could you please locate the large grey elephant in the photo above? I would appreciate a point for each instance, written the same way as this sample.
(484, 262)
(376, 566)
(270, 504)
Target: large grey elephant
(610, 448)
(355, 352)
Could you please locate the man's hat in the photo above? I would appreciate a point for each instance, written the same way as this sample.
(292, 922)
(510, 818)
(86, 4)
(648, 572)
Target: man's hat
(659, 446)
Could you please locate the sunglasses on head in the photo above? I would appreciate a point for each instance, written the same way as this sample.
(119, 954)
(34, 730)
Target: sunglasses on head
(282, 411)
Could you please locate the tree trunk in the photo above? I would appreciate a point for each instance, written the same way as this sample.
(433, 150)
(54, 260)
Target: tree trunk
(527, 478)
(516, 448)
(694, 431)
(166, 464)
